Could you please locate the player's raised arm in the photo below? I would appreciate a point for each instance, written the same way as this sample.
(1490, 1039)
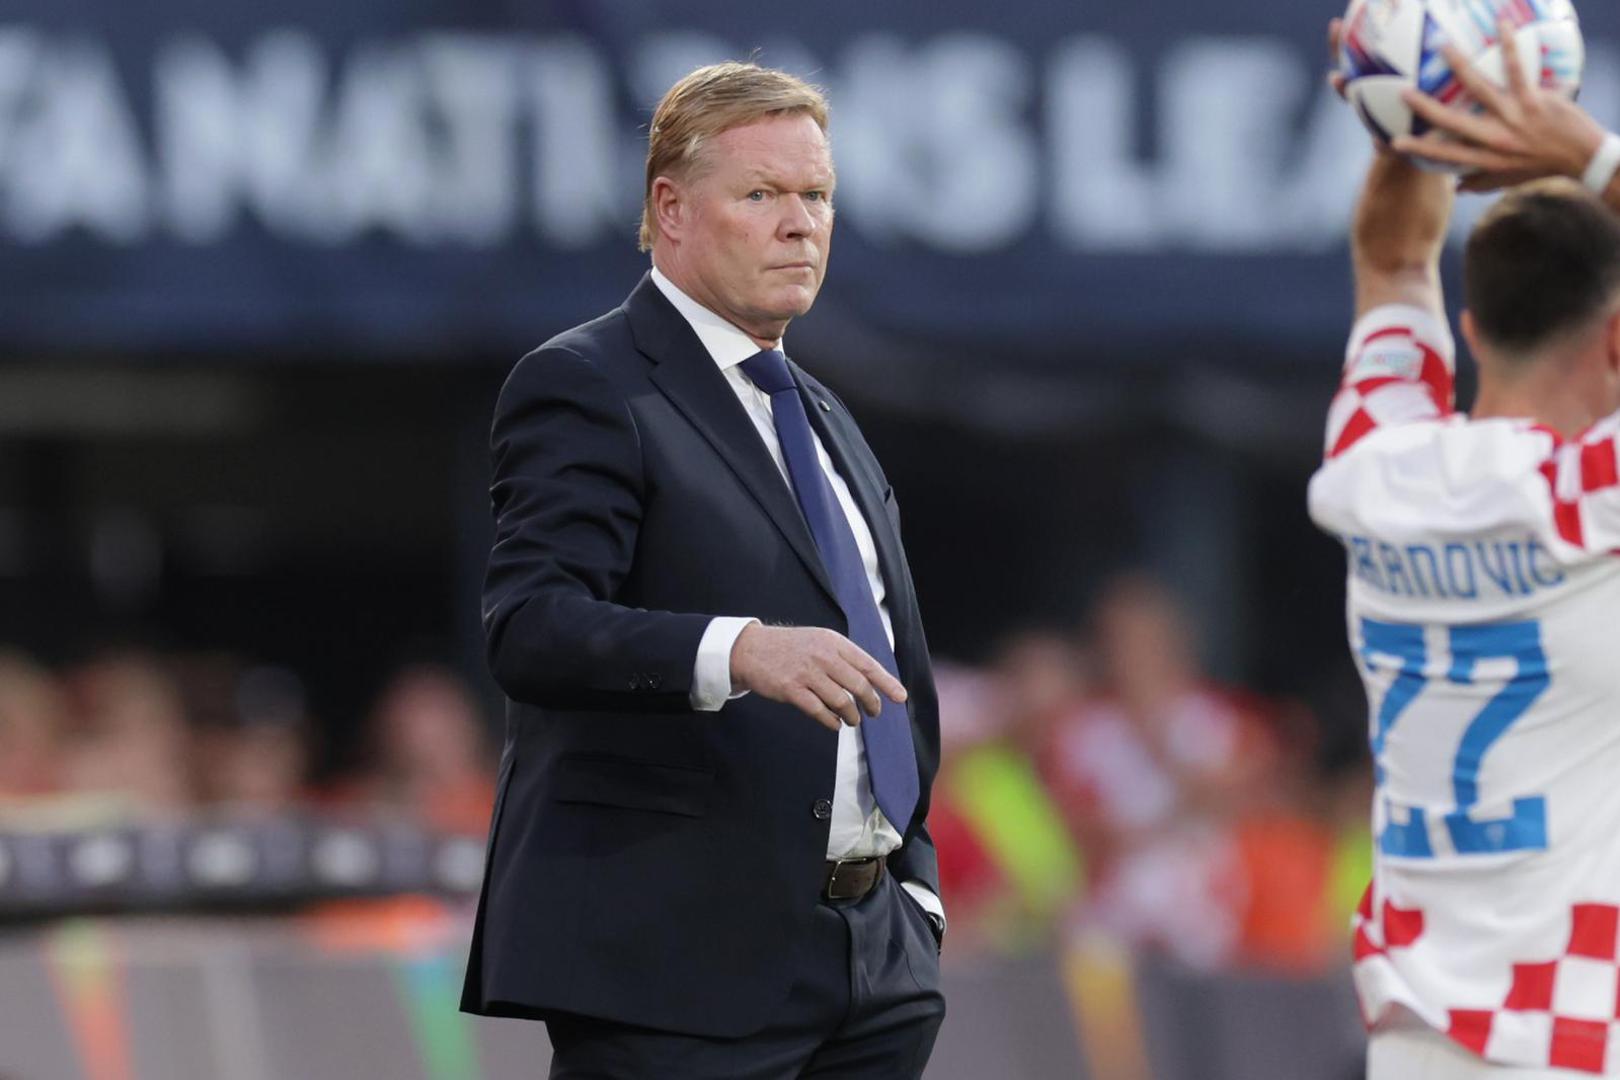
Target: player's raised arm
(1398, 366)
(1397, 235)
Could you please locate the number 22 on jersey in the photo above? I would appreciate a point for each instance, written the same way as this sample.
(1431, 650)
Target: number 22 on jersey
(1401, 650)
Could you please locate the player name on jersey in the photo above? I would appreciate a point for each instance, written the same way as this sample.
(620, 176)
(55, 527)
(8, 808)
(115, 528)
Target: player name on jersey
(1477, 569)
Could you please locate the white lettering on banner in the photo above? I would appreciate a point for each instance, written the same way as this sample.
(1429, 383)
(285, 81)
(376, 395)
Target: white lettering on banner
(935, 144)
(961, 143)
(585, 179)
(74, 157)
(381, 165)
(1229, 113)
(473, 82)
(17, 52)
(874, 189)
(231, 138)
(1103, 197)
(1233, 175)
(199, 134)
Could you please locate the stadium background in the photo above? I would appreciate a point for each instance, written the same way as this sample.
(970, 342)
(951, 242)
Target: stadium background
(261, 275)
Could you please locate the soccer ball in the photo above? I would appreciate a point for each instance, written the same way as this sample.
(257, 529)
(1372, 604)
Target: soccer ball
(1388, 45)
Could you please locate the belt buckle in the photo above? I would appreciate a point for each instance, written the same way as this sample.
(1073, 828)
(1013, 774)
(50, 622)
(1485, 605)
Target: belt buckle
(832, 878)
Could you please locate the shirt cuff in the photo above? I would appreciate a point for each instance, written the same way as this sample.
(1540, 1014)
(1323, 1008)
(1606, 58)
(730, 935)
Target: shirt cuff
(926, 900)
(711, 676)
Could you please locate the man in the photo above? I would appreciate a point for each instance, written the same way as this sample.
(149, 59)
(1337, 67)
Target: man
(709, 856)
(1482, 592)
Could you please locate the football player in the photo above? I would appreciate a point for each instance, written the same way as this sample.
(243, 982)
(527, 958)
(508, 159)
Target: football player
(1483, 590)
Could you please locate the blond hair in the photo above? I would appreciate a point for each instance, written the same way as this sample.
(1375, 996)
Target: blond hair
(712, 100)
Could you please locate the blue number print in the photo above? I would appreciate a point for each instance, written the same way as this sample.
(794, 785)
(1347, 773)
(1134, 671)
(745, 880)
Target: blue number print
(1405, 643)
(1526, 828)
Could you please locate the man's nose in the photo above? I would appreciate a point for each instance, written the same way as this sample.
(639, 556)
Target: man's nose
(797, 220)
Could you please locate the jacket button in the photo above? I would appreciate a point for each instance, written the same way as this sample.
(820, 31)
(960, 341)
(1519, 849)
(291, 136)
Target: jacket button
(822, 809)
(635, 682)
(654, 681)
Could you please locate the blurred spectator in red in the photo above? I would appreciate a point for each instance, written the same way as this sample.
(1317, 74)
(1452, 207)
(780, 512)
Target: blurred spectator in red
(133, 744)
(427, 753)
(34, 720)
(1153, 774)
(1040, 681)
(1160, 741)
(253, 748)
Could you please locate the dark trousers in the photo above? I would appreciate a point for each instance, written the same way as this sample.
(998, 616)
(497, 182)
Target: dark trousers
(867, 1005)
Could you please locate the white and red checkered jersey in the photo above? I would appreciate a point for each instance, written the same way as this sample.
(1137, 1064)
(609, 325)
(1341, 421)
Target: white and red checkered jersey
(1483, 600)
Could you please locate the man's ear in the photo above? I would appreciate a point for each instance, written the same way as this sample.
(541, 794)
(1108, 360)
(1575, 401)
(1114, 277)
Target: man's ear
(670, 207)
(1470, 333)
(1611, 341)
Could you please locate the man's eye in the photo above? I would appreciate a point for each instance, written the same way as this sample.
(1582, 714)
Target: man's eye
(756, 196)
(816, 196)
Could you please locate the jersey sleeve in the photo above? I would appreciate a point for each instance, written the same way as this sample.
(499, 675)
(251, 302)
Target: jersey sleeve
(1399, 368)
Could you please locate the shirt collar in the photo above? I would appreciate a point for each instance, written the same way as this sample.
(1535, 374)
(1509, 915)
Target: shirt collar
(727, 345)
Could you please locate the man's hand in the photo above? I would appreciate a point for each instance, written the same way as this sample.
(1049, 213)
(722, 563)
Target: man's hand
(820, 672)
(1335, 77)
(1526, 131)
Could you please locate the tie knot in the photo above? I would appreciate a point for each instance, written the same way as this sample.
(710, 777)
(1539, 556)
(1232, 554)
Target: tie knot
(769, 371)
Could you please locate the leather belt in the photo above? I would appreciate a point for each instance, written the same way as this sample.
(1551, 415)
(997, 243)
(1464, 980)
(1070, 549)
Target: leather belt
(851, 879)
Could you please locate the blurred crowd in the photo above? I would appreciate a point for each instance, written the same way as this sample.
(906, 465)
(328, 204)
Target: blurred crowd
(1096, 784)
(131, 735)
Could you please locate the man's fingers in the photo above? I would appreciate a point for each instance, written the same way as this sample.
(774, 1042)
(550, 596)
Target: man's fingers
(1446, 152)
(1517, 84)
(1476, 129)
(866, 696)
(1335, 76)
(1478, 86)
(1433, 148)
(838, 700)
(886, 684)
(805, 700)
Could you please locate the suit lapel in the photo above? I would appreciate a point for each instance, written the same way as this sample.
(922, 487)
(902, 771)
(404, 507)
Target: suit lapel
(688, 376)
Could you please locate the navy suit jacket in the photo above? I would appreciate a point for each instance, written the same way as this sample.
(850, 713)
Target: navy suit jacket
(647, 863)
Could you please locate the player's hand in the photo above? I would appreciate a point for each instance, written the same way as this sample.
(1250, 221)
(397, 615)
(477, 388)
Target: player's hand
(1335, 76)
(820, 672)
(1525, 132)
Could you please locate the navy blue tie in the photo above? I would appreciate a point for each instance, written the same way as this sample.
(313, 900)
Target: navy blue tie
(890, 758)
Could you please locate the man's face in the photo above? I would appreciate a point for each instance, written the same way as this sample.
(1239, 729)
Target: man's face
(756, 223)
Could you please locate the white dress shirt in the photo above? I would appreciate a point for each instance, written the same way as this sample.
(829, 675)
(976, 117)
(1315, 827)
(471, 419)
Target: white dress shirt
(859, 828)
